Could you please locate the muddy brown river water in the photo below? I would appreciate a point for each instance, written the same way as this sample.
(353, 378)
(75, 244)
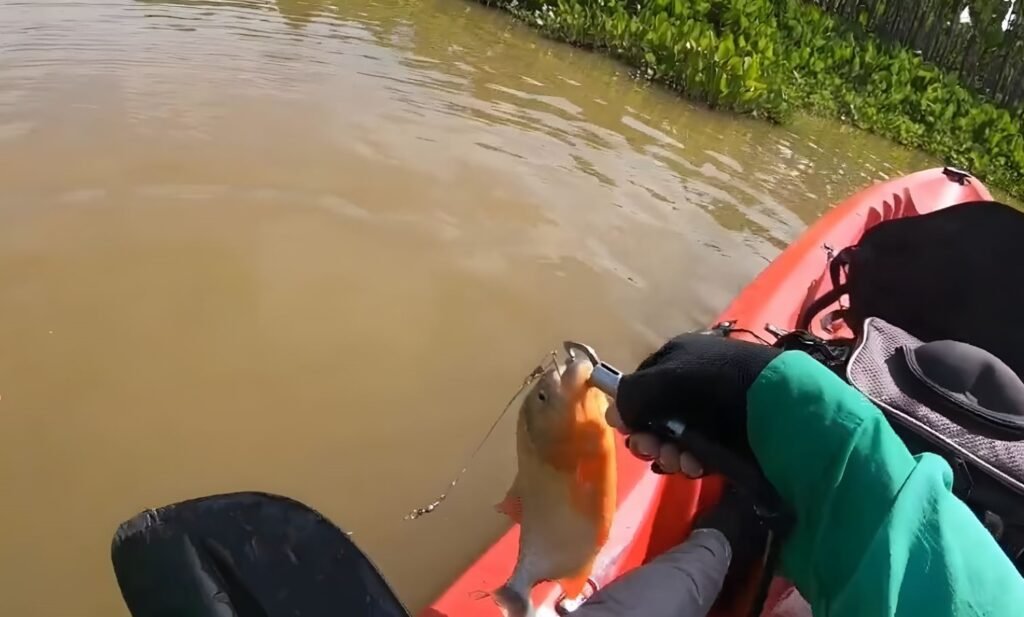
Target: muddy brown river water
(312, 248)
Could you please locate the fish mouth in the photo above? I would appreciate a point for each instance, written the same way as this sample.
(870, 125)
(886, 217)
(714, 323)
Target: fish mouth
(575, 373)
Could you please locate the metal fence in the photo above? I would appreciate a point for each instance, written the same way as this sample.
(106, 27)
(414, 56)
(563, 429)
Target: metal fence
(987, 57)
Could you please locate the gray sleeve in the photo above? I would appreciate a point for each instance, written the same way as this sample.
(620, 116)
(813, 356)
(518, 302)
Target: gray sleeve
(682, 582)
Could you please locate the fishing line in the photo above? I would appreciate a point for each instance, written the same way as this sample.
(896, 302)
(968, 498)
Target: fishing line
(549, 358)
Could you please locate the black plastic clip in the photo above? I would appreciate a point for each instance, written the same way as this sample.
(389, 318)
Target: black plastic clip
(959, 176)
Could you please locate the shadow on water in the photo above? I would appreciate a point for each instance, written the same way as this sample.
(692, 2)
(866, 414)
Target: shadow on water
(311, 247)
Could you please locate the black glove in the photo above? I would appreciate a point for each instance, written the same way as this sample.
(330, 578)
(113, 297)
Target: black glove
(702, 381)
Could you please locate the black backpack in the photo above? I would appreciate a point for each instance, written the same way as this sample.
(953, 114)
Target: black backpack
(956, 274)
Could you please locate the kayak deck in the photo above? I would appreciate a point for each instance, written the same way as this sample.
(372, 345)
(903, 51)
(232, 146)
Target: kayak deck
(656, 512)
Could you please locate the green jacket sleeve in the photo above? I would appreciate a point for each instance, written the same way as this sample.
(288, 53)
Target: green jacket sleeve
(879, 532)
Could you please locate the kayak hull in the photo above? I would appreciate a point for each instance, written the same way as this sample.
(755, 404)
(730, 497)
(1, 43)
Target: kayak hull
(656, 512)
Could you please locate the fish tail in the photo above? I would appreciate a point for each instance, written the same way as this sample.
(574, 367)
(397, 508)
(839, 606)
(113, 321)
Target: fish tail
(513, 603)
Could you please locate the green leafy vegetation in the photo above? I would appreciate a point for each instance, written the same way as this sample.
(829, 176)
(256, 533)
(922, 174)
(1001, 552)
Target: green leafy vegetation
(771, 58)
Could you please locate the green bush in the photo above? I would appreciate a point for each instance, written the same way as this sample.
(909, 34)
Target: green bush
(769, 58)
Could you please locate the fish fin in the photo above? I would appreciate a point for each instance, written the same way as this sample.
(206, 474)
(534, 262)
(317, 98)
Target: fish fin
(573, 586)
(512, 504)
(513, 603)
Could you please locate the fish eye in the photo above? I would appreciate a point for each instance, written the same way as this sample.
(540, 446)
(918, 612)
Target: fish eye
(542, 396)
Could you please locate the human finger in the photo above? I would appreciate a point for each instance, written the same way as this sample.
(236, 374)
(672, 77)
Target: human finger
(668, 458)
(644, 446)
(690, 466)
(614, 418)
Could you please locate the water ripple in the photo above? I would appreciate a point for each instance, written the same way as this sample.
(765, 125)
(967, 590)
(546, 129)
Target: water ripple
(206, 195)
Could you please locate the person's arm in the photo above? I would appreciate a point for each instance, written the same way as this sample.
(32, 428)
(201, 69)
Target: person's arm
(684, 581)
(879, 532)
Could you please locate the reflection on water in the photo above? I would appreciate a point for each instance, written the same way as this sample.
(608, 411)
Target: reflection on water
(311, 247)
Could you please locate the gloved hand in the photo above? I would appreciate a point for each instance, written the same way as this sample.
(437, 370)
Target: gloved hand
(701, 380)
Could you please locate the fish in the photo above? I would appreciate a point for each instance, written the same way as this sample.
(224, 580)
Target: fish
(563, 495)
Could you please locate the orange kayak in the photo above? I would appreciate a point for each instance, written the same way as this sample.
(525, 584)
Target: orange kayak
(656, 512)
